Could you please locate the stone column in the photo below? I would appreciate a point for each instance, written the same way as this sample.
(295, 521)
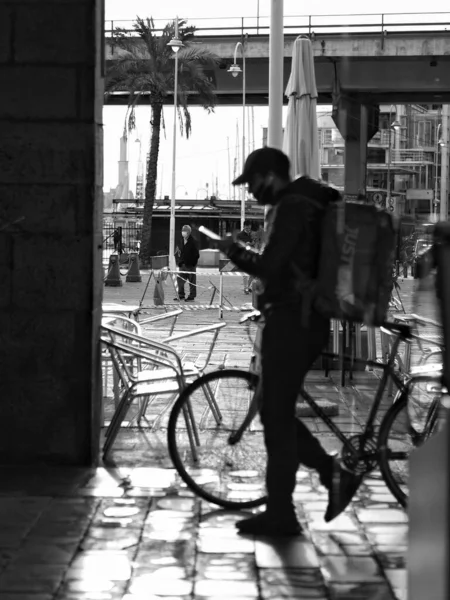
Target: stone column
(357, 124)
(51, 69)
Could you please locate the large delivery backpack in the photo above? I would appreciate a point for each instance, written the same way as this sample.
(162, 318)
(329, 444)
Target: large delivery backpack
(354, 279)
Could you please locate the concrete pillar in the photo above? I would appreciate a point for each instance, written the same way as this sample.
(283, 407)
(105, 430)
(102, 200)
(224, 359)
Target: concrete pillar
(429, 489)
(51, 68)
(357, 124)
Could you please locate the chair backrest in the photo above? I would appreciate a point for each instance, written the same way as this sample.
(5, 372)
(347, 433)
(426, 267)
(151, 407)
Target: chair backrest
(123, 355)
(151, 352)
(121, 322)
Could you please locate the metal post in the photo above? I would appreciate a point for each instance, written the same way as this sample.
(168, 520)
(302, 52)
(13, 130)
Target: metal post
(174, 154)
(444, 163)
(220, 295)
(436, 169)
(276, 47)
(243, 137)
(388, 199)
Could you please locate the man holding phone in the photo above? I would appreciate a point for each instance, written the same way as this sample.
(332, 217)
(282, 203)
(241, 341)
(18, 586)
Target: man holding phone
(290, 342)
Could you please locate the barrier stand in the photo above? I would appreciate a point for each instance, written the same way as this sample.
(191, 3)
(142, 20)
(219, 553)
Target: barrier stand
(158, 294)
(216, 289)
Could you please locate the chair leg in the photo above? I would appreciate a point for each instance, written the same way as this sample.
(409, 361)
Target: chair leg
(211, 400)
(142, 409)
(190, 432)
(116, 414)
(128, 399)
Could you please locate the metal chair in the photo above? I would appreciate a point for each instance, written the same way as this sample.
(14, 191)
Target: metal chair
(147, 370)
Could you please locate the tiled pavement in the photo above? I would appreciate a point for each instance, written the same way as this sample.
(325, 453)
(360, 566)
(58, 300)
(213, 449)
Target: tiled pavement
(132, 530)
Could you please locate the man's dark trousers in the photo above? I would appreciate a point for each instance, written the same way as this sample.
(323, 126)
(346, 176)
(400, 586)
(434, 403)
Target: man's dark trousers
(190, 277)
(289, 350)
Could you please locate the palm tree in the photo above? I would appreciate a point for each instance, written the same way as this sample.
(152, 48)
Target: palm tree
(145, 66)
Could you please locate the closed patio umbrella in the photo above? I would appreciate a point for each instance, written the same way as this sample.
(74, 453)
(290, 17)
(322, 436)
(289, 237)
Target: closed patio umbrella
(300, 141)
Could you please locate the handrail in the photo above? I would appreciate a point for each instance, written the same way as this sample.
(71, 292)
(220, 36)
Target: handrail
(370, 23)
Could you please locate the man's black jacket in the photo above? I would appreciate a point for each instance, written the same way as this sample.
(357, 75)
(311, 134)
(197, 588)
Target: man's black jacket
(189, 253)
(293, 241)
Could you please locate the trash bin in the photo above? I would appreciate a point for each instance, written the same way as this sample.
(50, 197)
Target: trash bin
(159, 262)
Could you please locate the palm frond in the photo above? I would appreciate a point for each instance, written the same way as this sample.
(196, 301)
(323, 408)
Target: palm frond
(198, 54)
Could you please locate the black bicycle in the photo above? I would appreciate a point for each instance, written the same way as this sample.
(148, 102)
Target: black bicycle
(217, 446)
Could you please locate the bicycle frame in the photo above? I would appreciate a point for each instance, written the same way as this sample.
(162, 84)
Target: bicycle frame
(388, 371)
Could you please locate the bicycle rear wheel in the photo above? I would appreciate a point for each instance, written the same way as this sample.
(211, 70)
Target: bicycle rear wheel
(413, 419)
(220, 469)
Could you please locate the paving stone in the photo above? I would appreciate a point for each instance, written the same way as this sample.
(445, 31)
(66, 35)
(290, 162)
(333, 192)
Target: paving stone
(360, 591)
(31, 578)
(288, 553)
(387, 515)
(233, 544)
(344, 522)
(177, 503)
(292, 583)
(388, 535)
(160, 585)
(26, 596)
(350, 569)
(92, 586)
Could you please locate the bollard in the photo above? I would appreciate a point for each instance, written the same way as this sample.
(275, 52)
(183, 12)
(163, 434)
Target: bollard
(158, 294)
(113, 277)
(133, 273)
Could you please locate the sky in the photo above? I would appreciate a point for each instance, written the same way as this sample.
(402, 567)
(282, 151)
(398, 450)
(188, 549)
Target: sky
(209, 155)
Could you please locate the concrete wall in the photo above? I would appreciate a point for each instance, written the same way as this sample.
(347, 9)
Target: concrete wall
(50, 260)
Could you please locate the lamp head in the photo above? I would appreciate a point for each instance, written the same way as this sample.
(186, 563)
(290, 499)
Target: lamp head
(441, 142)
(175, 44)
(235, 69)
(396, 126)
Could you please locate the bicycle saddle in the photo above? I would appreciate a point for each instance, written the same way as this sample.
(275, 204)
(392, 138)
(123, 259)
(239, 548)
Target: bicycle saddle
(402, 329)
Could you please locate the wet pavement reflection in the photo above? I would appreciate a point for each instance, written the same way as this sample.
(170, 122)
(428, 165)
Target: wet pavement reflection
(102, 540)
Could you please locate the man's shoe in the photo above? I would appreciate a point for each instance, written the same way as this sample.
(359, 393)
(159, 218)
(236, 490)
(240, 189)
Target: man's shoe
(344, 485)
(190, 299)
(266, 525)
(180, 298)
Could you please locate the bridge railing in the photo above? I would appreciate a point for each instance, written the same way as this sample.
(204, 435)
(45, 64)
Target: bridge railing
(306, 24)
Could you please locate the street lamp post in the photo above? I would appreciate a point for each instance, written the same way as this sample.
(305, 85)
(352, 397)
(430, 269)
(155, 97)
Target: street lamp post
(235, 69)
(175, 44)
(392, 126)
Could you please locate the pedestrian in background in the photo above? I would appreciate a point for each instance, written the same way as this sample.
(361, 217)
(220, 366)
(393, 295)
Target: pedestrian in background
(187, 261)
(246, 238)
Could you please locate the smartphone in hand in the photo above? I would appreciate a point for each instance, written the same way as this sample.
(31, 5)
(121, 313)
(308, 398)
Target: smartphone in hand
(209, 233)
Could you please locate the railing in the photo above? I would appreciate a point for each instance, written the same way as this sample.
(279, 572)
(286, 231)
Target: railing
(306, 24)
(412, 156)
(123, 238)
(381, 138)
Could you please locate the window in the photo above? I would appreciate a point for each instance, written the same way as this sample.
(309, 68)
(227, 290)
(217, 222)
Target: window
(422, 133)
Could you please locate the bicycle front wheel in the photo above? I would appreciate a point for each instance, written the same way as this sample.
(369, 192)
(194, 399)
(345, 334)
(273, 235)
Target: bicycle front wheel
(216, 457)
(413, 419)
